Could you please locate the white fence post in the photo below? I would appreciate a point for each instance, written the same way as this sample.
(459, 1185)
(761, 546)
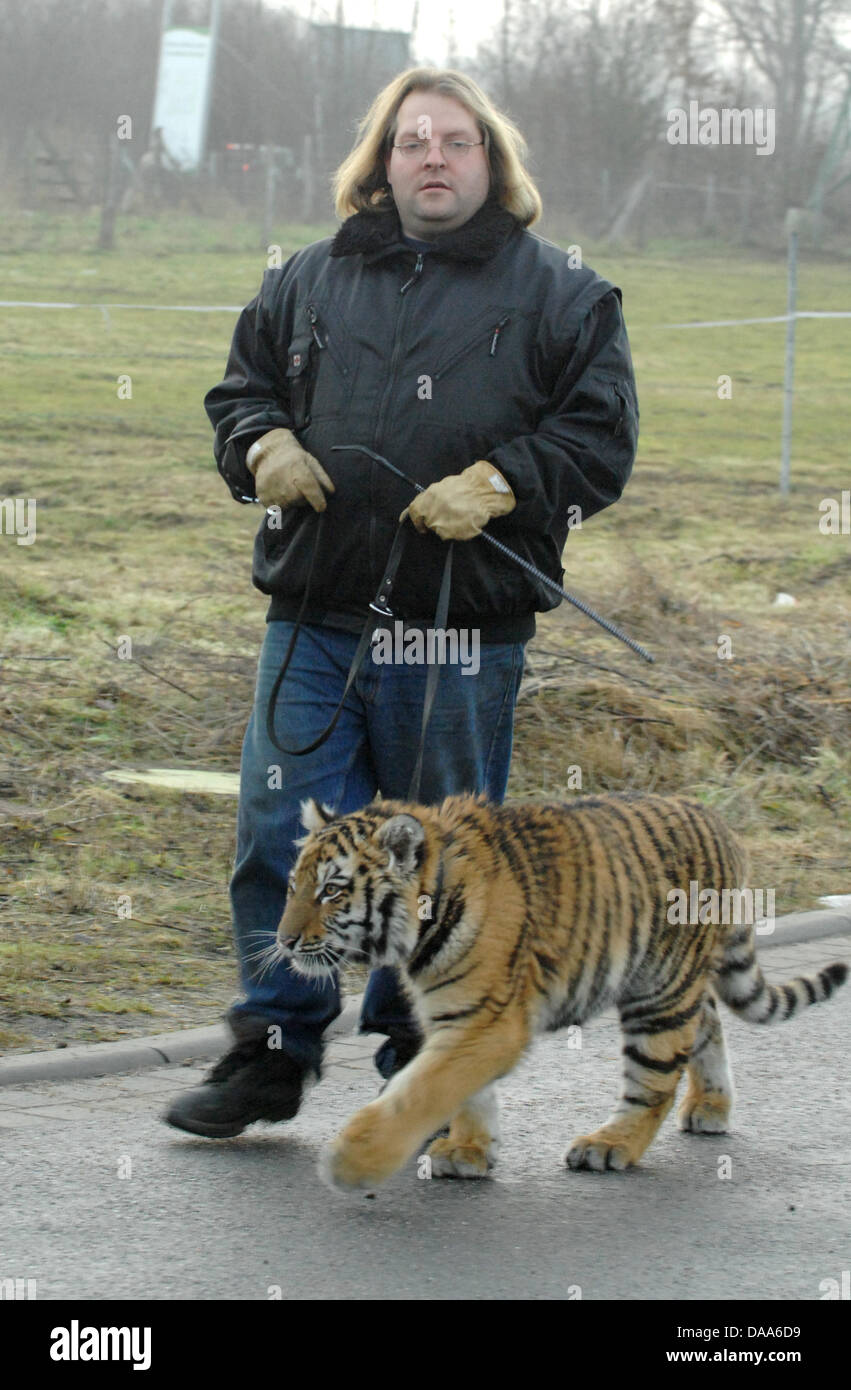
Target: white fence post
(793, 217)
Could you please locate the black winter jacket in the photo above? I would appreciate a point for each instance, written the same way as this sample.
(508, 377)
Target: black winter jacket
(491, 346)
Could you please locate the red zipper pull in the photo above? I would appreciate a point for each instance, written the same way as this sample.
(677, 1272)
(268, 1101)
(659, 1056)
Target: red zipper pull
(496, 333)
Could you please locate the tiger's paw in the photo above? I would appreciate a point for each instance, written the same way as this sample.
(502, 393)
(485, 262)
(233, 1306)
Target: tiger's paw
(337, 1172)
(449, 1160)
(709, 1115)
(597, 1155)
(362, 1156)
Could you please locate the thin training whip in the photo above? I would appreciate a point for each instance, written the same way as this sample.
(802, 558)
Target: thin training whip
(511, 555)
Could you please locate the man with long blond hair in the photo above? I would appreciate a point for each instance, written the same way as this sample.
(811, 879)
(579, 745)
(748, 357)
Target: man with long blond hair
(494, 371)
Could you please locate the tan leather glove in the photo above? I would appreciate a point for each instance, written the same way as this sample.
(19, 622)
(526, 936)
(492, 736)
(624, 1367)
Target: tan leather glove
(285, 474)
(459, 506)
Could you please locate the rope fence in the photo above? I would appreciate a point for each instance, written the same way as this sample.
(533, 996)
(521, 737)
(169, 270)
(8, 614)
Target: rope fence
(790, 319)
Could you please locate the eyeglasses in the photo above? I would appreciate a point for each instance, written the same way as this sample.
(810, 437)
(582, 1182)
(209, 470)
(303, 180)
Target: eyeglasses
(458, 149)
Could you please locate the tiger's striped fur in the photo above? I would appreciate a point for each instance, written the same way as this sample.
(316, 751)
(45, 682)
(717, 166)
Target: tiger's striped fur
(511, 921)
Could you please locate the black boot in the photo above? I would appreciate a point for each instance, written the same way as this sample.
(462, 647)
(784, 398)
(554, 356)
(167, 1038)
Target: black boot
(251, 1082)
(396, 1053)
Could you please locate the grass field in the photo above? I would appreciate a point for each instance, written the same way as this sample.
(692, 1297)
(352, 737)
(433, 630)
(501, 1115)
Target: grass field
(137, 536)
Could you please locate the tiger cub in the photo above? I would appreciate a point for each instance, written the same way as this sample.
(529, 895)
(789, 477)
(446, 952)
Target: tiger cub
(509, 921)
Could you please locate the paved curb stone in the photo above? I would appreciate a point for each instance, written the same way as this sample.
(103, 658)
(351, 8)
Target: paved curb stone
(102, 1059)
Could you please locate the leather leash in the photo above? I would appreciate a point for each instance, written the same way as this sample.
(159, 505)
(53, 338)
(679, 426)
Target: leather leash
(381, 607)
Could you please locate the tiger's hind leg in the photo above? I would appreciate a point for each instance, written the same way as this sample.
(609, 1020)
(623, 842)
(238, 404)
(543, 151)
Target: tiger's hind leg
(469, 1149)
(657, 1046)
(707, 1103)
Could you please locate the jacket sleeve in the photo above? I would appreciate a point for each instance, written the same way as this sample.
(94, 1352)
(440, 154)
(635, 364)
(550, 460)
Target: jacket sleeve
(583, 449)
(252, 398)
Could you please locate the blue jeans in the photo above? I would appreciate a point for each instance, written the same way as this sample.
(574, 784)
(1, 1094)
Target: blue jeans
(373, 747)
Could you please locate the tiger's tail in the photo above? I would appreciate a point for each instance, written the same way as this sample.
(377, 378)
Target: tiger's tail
(743, 987)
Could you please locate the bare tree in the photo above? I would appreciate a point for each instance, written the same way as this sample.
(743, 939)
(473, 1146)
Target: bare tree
(587, 84)
(796, 46)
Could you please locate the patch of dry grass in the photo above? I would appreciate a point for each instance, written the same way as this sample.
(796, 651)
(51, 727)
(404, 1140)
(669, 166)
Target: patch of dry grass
(761, 736)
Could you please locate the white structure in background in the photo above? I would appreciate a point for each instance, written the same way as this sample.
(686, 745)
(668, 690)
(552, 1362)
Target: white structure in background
(184, 82)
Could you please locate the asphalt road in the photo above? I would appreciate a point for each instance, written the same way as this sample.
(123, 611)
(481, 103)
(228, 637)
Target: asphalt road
(100, 1200)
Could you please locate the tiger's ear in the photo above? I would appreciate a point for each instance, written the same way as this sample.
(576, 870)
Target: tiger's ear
(314, 816)
(403, 836)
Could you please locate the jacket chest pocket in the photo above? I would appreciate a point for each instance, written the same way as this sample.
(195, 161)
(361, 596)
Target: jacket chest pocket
(300, 374)
(320, 367)
(483, 340)
(484, 381)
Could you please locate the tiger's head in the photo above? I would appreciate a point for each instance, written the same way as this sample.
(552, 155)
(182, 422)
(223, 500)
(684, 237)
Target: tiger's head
(354, 891)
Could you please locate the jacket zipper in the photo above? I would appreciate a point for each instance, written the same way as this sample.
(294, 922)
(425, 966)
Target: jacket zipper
(418, 270)
(394, 364)
(623, 409)
(394, 358)
(496, 333)
(492, 333)
(313, 317)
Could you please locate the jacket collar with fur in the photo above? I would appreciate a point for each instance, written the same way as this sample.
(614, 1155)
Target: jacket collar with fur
(378, 234)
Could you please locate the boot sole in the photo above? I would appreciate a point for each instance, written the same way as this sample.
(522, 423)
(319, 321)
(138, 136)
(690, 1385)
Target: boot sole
(208, 1130)
(204, 1128)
